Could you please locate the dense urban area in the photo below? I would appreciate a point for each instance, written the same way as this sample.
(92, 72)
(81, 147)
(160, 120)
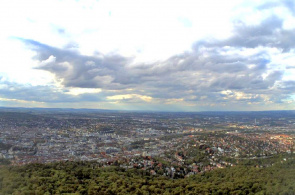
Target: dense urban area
(170, 145)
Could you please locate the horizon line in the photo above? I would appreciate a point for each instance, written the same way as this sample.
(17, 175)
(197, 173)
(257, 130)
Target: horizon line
(114, 110)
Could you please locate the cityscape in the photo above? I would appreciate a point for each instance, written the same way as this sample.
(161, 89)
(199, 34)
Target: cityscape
(170, 144)
(182, 97)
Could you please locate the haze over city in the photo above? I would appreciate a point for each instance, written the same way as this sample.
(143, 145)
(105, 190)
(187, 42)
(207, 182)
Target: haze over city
(148, 55)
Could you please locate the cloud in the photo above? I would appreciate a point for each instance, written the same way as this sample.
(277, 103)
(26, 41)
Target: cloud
(269, 33)
(46, 94)
(192, 77)
(245, 68)
(76, 70)
(288, 4)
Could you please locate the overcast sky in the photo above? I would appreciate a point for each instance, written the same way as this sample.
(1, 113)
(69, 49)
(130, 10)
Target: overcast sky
(172, 55)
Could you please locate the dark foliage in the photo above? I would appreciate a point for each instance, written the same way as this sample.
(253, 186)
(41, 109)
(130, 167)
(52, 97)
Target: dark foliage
(89, 178)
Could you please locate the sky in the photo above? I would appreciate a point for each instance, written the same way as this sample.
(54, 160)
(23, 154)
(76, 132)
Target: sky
(156, 55)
